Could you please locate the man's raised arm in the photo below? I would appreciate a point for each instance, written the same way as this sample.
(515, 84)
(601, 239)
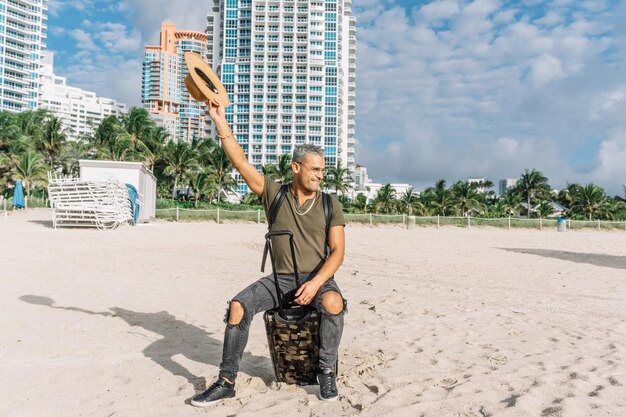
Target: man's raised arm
(233, 150)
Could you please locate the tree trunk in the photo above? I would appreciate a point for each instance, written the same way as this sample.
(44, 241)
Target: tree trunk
(175, 187)
(219, 191)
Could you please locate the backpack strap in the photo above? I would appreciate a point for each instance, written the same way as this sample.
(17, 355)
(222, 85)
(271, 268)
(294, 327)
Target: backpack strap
(328, 214)
(273, 211)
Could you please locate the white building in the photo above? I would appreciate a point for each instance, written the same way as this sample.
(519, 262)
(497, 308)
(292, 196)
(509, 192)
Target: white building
(505, 185)
(22, 39)
(289, 68)
(361, 180)
(372, 189)
(80, 111)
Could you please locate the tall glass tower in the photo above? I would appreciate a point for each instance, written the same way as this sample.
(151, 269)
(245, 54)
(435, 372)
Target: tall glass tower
(22, 39)
(289, 68)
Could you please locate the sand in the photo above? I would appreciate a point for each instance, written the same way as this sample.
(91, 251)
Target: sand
(441, 322)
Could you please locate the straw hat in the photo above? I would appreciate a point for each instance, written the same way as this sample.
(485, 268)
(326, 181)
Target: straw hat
(202, 83)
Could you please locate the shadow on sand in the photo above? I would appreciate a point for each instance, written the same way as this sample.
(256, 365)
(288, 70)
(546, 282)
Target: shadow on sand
(609, 261)
(45, 223)
(178, 337)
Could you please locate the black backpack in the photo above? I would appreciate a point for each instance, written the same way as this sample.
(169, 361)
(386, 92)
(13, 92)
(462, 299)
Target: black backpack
(276, 203)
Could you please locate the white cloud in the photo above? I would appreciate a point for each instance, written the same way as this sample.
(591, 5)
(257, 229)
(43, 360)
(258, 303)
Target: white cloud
(489, 94)
(550, 19)
(115, 37)
(147, 15)
(442, 9)
(609, 103)
(55, 7)
(451, 89)
(546, 68)
(83, 39)
(611, 169)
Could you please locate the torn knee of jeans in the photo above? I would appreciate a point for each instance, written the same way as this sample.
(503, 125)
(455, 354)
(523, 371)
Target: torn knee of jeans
(344, 309)
(245, 319)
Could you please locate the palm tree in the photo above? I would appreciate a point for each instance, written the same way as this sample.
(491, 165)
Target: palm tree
(105, 134)
(359, 204)
(544, 209)
(52, 141)
(385, 201)
(222, 169)
(9, 131)
(567, 195)
(70, 154)
(532, 184)
(137, 124)
(284, 174)
(409, 201)
(338, 178)
(270, 171)
(344, 201)
(5, 170)
(251, 199)
(31, 123)
(202, 182)
(590, 200)
(510, 202)
(439, 198)
(178, 160)
(154, 141)
(30, 168)
(466, 197)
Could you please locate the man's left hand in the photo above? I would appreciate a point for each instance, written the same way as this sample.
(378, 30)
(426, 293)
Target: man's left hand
(307, 292)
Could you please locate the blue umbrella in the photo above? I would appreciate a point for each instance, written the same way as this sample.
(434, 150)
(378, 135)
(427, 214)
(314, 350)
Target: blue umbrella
(18, 195)
(133, 196)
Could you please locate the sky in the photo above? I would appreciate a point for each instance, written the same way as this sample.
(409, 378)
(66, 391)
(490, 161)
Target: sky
(446, 89)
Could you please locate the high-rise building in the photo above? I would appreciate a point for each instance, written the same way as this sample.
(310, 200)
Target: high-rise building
(289, 68)
(505, 185)
(22, 38)
(361, 180)
(79, 110)
(163, 91)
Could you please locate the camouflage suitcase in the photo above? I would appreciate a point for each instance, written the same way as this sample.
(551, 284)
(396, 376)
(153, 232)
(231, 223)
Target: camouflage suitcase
(293, 332)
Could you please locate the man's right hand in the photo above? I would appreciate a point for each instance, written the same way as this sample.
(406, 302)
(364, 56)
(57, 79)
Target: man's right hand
(217, 112)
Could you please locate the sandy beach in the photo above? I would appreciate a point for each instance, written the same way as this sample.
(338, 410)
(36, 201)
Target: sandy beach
(442, 322)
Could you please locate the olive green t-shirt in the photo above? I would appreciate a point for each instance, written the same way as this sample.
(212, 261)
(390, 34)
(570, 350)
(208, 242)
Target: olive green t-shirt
(308, 228)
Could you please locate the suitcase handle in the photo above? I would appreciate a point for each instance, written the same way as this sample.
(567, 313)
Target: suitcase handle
(268, 240)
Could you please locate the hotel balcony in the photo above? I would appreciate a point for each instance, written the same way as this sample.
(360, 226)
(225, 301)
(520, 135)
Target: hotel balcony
(13, 5)
(15, 78)
(13, 47)
(20, 69)
(25, 29)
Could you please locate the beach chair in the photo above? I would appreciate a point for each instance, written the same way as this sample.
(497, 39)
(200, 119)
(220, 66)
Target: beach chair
(79, 203)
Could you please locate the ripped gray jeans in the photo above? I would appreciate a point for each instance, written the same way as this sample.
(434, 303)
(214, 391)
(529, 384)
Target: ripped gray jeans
(261, 296)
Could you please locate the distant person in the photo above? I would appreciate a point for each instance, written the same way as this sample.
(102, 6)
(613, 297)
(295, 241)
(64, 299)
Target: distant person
(302, 213)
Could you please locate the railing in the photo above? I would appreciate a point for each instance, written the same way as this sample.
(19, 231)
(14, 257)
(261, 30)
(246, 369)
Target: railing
(220, 215)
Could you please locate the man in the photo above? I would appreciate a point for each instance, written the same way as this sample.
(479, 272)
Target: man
(302, 213)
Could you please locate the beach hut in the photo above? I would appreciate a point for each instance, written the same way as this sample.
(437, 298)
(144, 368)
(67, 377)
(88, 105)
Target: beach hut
(132, 173)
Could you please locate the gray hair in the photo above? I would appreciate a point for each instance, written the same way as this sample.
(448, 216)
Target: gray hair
(301, 151)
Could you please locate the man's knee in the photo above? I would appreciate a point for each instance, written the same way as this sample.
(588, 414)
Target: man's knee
(332, 302)
(236, 313)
